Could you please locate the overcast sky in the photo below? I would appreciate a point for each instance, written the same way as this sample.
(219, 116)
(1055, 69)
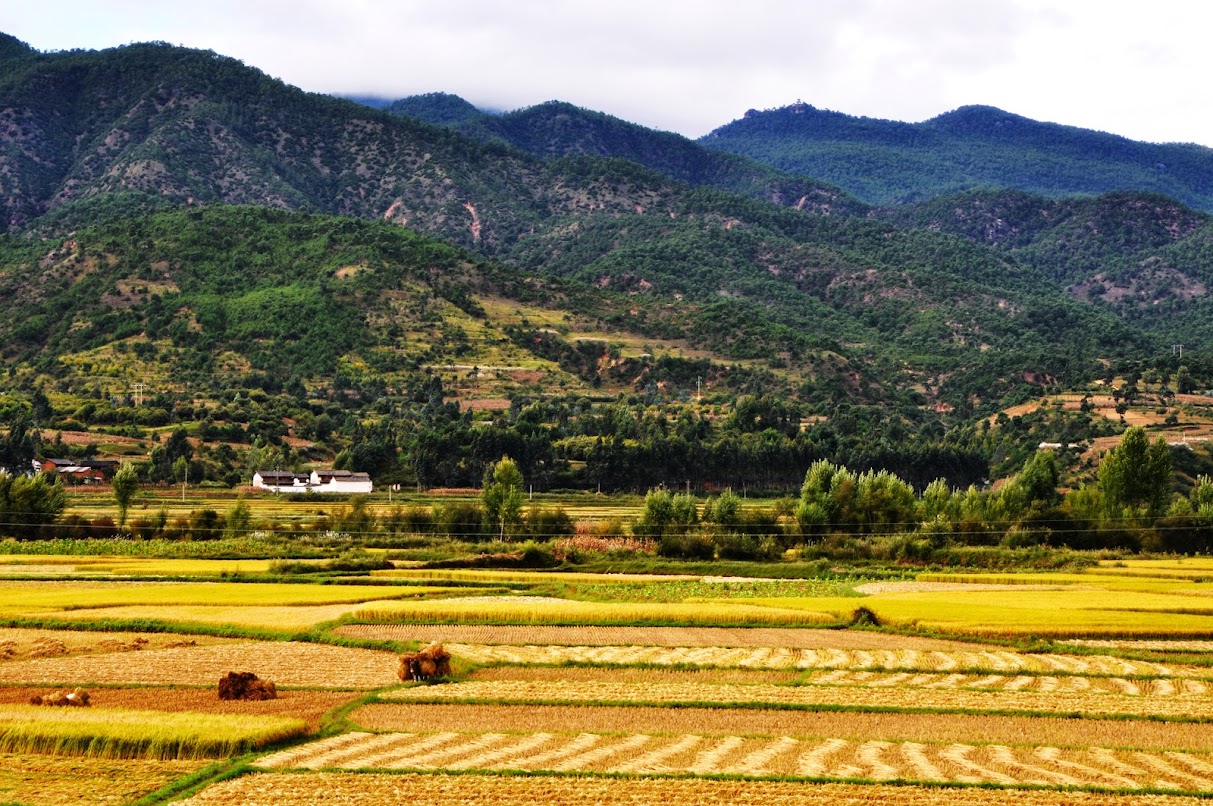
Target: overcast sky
(1139, 69)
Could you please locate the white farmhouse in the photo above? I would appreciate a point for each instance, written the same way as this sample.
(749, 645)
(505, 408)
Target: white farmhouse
(340, 481)
(280, 481)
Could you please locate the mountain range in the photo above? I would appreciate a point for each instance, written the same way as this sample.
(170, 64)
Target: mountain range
(952, 265)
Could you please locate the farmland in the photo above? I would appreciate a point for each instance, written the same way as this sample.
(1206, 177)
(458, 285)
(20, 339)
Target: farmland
(1082, 686)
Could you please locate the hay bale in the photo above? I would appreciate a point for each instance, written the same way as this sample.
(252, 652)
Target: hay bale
(431, 662)
(77, 698)
(246, 686)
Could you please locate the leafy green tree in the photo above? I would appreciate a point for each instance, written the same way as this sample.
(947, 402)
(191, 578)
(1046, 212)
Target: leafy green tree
(126, 483)
(1136, 475)
(28, 503)
(502, 497)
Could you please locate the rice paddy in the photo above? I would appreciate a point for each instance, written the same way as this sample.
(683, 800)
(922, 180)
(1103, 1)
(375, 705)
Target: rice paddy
(107, 733)
(675, 688)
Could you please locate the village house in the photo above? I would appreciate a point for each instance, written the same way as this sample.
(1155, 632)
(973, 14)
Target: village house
(340, 481)
(320, 481)
(78, 471)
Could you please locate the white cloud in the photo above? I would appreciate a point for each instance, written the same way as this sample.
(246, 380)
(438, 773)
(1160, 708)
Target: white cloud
(691, 65)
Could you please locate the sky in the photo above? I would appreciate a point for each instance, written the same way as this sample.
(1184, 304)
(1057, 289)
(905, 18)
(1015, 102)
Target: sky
(1137, 69)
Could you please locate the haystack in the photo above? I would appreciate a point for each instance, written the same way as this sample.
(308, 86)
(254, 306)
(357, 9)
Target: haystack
(431, 662)
(76, 697)
(246, 686)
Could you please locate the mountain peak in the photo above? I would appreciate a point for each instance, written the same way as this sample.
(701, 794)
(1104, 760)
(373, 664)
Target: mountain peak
(13, 48)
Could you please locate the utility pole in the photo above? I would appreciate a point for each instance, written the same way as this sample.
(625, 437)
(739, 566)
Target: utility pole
(698, 390)
(138, 390)
(184, 481)
(1178, 348)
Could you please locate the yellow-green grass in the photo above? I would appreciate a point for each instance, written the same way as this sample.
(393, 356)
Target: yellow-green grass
(130, 566)
(39, 597)
(528, 577)
(266, 617)
(107, 733)
(499, 610)
(1075, 613)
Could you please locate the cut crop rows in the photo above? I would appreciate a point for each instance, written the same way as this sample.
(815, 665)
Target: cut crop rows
(1000, 662)
(738, 755)
(858, 697)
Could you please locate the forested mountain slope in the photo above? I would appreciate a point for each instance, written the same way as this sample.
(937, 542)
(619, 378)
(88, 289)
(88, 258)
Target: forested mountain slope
(839, 300)
(885, 162)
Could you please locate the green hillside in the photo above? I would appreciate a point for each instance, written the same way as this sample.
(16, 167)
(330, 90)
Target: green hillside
(556, 129)
(889, 162)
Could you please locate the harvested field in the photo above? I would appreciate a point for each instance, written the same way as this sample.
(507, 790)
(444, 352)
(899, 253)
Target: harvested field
(1189, 736)
(16, 643)
(285, 663)
(997, 661)
(636, 676)
(286, 618)
(1156, 646)
(309, 706)
(54, 780)
(352, 789)
(779, 637)
(551, 611)
(856, 697)
(1157, 687)
(749, 756)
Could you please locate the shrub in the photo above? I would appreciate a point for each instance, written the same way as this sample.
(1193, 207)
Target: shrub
(545, 523)
(687, 546)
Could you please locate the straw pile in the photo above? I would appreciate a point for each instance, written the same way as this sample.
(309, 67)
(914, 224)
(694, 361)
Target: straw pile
(245, 686)
(431, 662)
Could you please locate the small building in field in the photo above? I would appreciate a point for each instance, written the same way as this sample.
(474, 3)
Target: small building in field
(340, 481)
(78, 471)
(280, 481)
(320, 481)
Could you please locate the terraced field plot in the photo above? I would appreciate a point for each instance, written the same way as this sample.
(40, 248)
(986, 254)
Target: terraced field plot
(286, 663)
(1001, 662)
(1173, 706)
(857, 726)
(739, 755)
(640, 637)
